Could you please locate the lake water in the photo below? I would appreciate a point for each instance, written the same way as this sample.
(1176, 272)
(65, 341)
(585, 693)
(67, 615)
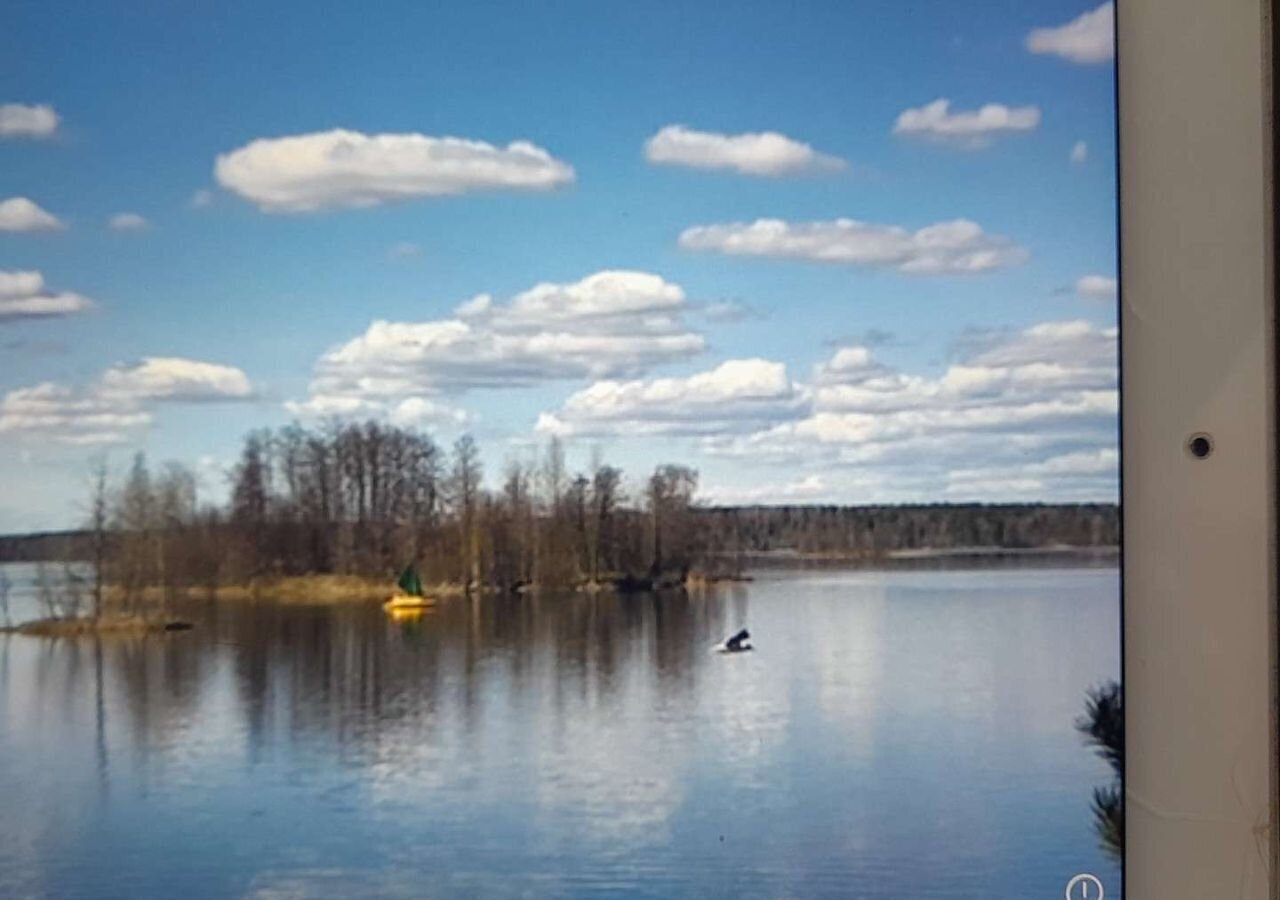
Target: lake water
(894, 735)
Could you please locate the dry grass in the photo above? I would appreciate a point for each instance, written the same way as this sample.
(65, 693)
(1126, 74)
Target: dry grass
(314, 590)
(311, 589)
(81, 626)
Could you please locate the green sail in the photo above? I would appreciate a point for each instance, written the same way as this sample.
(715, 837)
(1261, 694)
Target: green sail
(409, 581)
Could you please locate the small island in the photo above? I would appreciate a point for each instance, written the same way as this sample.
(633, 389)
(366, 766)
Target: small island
(330, 515)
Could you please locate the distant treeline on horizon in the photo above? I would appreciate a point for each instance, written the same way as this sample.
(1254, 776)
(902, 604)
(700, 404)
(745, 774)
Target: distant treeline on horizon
(367, 498)
(807, 528)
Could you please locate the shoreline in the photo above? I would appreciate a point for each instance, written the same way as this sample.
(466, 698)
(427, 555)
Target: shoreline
(116, 625)
(144, 613)
(1100, 551)
(329, 590)
(973, 552)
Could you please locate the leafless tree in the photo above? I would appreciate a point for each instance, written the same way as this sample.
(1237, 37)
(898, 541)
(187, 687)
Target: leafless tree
(464, 483)
(99, 523)
(606, 483)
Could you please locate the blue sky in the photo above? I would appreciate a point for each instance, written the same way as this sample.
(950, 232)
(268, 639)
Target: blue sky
(990, 384)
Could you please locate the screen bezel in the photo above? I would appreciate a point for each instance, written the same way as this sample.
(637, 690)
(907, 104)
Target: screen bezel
(1197, 331)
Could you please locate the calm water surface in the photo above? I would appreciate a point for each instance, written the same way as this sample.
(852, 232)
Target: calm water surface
(894, 735)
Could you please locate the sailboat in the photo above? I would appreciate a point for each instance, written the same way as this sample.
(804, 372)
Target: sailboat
(408, 595)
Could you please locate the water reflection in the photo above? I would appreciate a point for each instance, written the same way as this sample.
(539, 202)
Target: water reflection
(889, 728)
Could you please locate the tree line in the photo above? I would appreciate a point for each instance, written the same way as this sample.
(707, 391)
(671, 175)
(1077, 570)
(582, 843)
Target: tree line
(366, 498)
(867, 532)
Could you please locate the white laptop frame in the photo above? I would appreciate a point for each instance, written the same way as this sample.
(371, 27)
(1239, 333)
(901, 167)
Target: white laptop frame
(1198, 348)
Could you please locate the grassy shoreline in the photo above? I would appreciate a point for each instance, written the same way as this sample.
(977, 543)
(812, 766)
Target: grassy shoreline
(324, 590)
(115, 624)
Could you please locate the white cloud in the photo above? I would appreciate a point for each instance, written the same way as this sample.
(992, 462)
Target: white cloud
(852, 363)
(1097, 287)
(200, 198)
(936, 122)
(738, 395)
(1090, 38)
(809, 489)
(343, 169)
(599, 300)
(127, 221)
(20, 284)
(1105, 461)
(19, 120)
(404, 250)
(754, 153)
(175, 378)
(478, 305)
(1088, 471)
(23, 296)
(22, 214)
(56, 412)
(1025, 415)
(1079, 152)
(613, 323)
(954, 247)
(119, 403)
(409, 412)
(420, 412)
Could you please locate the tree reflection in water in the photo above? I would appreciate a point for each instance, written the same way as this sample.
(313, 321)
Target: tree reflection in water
(350, 673)
(1102, 726)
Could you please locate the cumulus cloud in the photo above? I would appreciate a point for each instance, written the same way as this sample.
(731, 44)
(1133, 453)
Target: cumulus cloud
(765, 153)
(1079, 152)
(738, 395)
(344, 169)
(175, 378)
(809, 489)
(22, 214)
(1023, 415)
(1089, 38)
(23, 296)
(57, 412)
(407, 412)
(946, 248)
(200, 198)
(119, 403)
(20, 120)
(614, 323)
(1032, 413)
(127, 221)
(935, 121)
(608, 299)
(1097, 287)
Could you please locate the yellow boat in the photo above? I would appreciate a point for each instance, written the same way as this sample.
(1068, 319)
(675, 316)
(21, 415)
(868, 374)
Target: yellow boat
(407, 614)
(408, 601)
(409, 598)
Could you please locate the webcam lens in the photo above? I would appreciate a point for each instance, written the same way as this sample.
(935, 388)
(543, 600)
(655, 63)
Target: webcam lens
(1199, 445)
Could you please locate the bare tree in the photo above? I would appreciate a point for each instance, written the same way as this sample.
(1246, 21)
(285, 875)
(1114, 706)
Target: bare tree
(464, 482)
(670, 496)
(99, 522)
(250, 498)
(606, 482)
(135, 523)
(175, 510)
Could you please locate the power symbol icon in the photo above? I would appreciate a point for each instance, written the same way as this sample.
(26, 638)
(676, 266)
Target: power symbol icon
(1085, 887)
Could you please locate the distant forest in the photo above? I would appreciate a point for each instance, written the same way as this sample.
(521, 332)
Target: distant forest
(366, 499)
